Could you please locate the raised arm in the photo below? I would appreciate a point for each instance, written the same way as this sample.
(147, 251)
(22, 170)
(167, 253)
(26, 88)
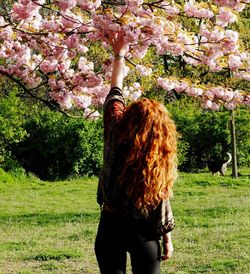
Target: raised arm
(114, 104)
(117, 73)
(119, 49)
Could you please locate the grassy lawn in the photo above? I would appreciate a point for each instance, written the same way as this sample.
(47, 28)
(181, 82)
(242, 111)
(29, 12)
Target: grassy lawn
(50, 227)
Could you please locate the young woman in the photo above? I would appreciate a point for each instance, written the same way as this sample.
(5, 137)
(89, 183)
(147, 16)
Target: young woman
(136, 181)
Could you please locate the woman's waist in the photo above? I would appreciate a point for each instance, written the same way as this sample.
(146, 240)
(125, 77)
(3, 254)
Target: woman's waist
(121, 210)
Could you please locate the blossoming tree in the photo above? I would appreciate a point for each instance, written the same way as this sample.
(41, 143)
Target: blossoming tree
(45, 47)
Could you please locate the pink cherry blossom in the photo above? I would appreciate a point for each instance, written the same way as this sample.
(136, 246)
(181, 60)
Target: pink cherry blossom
(181, 86)
(209, 94)
(21, 11)
(228, 95)
(225, 17)
(218, 92)
(171, 10)
(90, 114)
(84, 65)
(133, 3)
(37, 46)
(228, 3)
(234, 62)
(208, 104)
(48, 66)
(89, 4)
(230, 106)
(82, 101)
(144, 71)
(166, 84)
(66, 4)
(194, 91)
(193, 9)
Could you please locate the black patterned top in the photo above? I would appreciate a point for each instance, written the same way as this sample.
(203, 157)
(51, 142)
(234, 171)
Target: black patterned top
(109, 195)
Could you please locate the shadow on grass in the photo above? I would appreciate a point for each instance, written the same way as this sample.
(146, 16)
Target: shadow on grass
(224, 181)
(83, 235)
(203, 183)
(223, 266)
(213, 212)
(56, 255)
(52, 218)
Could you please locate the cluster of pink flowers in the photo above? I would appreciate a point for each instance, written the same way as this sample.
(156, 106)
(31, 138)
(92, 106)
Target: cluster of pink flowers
(225, 17)
(221, 45)
(132, 92)
(51, 48)
(143, 70)
(134, 3)
(194, 9)
(237, 5)
(89, 5)
(26, 9)
(212, 97)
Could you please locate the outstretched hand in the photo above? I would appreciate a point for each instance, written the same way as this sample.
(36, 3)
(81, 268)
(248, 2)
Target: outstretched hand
(120, 47)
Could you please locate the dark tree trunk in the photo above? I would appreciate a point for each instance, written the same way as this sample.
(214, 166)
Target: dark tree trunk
(234, 145)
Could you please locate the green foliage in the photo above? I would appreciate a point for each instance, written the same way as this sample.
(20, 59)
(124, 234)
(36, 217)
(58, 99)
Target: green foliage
(205, 134)
(12, 121)
(9, 178)
(53, 146)
(242, 124)
(47, 143)
(59, 146)
(243, 27)
(5, 177)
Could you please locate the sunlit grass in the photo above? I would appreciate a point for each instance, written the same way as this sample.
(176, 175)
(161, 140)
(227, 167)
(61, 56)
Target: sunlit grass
(50, 227)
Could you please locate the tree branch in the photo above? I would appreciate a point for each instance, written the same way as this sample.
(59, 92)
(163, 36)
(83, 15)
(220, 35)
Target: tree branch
(28, 91)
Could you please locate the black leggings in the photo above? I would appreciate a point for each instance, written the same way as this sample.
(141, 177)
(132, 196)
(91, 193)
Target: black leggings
(116, 236)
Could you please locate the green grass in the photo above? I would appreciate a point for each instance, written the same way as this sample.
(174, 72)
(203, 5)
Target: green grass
(50, 227)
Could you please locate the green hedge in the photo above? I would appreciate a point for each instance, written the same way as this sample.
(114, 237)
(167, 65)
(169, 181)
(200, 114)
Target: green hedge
(38, 140)
(59, 147)
(12, 122)
(205, 134)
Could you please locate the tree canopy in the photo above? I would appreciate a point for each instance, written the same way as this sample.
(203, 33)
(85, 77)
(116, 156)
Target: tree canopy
(59, 51)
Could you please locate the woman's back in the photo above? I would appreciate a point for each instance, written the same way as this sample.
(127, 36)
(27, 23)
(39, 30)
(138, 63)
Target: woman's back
(136, 180)
(140, 151)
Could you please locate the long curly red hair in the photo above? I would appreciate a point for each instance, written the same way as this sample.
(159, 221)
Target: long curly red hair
(150, 166)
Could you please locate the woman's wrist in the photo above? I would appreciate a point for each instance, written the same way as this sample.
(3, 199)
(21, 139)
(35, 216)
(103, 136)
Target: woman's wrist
(119, 56)
(167, 237)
